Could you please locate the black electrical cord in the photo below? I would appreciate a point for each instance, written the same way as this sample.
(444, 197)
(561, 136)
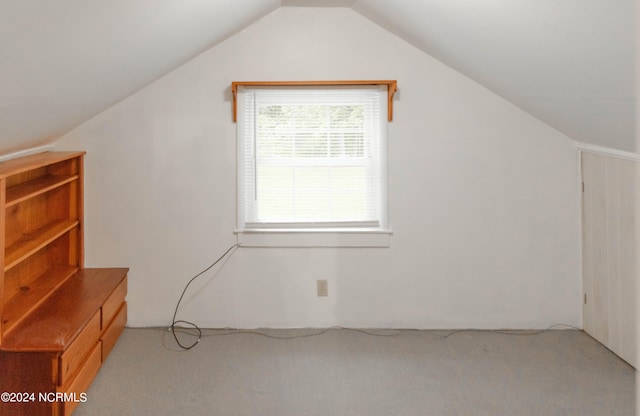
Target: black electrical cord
(393, 333)
(440, 334)
(172, 328)
(390, 332)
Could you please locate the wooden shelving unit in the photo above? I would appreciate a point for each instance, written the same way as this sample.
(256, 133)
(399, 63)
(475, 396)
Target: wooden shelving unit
(58, 321)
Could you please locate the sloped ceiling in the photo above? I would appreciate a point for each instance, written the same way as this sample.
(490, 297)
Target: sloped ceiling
(571, 63)
(64, 61)
(568, 62)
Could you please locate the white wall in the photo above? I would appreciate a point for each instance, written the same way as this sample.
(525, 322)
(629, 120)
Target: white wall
(483, 197)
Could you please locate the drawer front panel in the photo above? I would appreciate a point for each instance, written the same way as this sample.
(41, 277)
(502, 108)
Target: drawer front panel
(79, 349)
(113, 303)
(111, 334)
(77, 387)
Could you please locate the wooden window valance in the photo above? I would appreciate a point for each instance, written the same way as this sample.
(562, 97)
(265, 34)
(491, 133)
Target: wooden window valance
(392, 87)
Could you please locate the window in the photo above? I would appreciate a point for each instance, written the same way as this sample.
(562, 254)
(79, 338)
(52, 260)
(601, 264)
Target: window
(312, 158)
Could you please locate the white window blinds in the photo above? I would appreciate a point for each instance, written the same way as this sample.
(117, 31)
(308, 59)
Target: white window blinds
(311, 157)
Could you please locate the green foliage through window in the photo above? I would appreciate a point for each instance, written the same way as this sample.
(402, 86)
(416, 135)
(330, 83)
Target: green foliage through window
(310, 131)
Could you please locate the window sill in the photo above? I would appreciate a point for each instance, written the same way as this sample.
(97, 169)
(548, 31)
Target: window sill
(314, 238)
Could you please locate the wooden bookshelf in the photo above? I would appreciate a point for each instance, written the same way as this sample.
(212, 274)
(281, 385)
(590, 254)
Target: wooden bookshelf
(36, 187)
(27, 298)
(58, 320)
(31, 242)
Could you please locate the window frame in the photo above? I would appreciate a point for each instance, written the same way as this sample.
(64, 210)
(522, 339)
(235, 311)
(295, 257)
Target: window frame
(323, 235)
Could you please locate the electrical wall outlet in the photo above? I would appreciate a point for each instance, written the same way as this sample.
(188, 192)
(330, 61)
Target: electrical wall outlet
(323, 287)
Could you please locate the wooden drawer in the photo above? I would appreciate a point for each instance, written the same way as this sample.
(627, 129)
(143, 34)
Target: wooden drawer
(113, 331)
(112, 305)
(79, 349)
(77, 387)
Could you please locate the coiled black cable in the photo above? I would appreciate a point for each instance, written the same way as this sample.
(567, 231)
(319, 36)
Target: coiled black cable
(172, 328)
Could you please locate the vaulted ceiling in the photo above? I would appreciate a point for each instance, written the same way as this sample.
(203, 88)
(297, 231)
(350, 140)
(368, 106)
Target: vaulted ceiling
(570, 63)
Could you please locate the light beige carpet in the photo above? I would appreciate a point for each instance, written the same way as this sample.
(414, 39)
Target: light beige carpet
(345, 372)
